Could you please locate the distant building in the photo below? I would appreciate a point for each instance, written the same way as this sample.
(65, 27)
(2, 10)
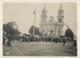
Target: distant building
(49, 27)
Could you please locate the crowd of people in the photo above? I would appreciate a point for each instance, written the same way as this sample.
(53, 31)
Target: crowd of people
(7, 40)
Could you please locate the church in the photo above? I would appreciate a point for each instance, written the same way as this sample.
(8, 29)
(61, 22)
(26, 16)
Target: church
(50, 27)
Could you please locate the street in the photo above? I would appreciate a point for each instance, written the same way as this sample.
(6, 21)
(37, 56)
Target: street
(39, 49)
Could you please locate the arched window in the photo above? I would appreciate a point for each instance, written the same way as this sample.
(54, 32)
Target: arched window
(60, 20)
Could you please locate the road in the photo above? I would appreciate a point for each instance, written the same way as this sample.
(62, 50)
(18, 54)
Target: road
(39, 49)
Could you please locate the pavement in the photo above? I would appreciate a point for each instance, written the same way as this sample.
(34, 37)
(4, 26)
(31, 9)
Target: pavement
(39, 49)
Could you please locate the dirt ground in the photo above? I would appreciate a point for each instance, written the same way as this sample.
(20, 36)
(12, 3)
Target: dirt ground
(39, 49)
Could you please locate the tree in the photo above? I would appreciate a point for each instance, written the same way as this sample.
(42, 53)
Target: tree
(36, 31)
(31, 30)
(11, 29)
(69, 33)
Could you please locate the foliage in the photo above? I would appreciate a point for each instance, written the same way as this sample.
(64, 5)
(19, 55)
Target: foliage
(69, 33)
(9, 29)
(35, 29)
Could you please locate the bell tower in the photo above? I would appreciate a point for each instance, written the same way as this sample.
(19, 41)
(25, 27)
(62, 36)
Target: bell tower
(60, 18)
(44, 14)
(43, 22)
(60, 15)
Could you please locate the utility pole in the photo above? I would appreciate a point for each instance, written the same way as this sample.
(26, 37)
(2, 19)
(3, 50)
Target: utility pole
(34, 12)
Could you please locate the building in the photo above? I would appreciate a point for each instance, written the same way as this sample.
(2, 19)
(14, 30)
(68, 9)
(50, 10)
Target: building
(49, 27)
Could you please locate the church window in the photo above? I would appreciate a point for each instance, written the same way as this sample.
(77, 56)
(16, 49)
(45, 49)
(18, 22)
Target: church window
(60, 20)
(60, 13)
(51, 20)
(58, 32)
(51, 31)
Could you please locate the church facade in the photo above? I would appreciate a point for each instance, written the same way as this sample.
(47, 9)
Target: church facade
(50, 27)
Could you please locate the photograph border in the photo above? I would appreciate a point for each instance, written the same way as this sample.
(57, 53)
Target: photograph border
(40, 1)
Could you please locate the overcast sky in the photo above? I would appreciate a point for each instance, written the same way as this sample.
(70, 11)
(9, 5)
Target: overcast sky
(22, 14)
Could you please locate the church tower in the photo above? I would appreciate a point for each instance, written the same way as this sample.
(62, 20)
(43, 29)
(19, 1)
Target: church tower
(44, 14)
(60, 15)
(60, 18)
(43, 21)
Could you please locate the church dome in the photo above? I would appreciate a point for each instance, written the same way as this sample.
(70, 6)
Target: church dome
(44, 11)
(51, 19)
(60, 10)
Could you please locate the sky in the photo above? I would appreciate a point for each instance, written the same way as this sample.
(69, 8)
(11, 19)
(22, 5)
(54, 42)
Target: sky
(22, 14)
